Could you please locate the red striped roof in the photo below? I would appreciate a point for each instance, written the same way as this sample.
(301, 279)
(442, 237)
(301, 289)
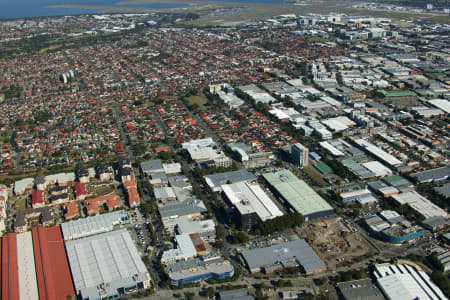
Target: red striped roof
(52, 268)
(9, 271)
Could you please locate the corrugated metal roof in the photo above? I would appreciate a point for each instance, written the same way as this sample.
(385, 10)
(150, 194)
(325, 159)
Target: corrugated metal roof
(251, 198)
(299, 194)
(52, 268)
(28, 288)
(92, 225)
(104, 263)
(9, 276)
(297, 250)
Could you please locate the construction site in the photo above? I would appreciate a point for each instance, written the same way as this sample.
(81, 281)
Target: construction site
(337, 243)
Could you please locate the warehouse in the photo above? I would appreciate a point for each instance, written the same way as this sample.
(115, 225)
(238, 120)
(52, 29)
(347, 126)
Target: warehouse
(215, 181)
(362, 196)
(433, 175)
(380, 154)
(52, 267)
(299, 195)
(405, 282)
(93, 225)
(441, 104)
(250, 199)
(281, 256)
(377, 168)
(34, 265)
(338, 124)
(362, 289)
(28, 288)
(420, 204)
(106, 265)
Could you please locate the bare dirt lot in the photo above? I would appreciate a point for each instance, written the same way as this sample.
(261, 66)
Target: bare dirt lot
(335, 243)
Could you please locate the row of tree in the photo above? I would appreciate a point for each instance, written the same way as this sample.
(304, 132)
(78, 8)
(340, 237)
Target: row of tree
(280, 223)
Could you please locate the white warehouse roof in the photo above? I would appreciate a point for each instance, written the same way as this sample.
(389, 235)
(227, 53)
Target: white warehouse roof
(333, 150)
(251, 198)
(420, 204)
(381, 154)
(104, 263)
(405, 282)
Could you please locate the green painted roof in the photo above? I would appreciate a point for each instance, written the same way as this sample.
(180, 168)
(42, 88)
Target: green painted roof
(297, 193)
(348, 161)
(323, 167)
(392, 179)
(398, 93)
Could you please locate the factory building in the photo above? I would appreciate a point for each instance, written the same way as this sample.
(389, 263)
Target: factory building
(106, 266)
(287, 255)
(35, 266)
(405, 282)
(251, 203)
(215, 181)
(299, 196)
(93, 225)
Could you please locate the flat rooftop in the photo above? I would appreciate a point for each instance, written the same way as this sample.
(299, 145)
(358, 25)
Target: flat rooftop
(298, 250)
(93, 225)
(362, 289)
(402, 282)
(248, 198)
(103, 263)
(297, 193)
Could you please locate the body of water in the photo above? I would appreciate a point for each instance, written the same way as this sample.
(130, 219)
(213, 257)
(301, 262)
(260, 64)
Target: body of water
(12, 9)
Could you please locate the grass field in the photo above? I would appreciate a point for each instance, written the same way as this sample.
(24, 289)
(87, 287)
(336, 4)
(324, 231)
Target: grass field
(103, 190)
(315, 176)
(21, 204)
(256, 11)
(4, 137)
(198, 100)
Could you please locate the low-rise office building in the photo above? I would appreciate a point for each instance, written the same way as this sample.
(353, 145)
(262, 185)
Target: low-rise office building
(199, 269)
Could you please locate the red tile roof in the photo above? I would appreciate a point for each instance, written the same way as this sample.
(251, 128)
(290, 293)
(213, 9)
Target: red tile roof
(133, 195)
(93, 205)
(71, 209)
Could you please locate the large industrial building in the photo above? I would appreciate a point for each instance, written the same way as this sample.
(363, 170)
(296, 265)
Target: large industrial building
(250, 201)
(215, 181)
(433, 175)
(93, 225)
(287, 255)
(106, 265)
(406, 282)
(34, 266)
(420, 204)
(299, 195)
(379, 153)
(362, 289)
